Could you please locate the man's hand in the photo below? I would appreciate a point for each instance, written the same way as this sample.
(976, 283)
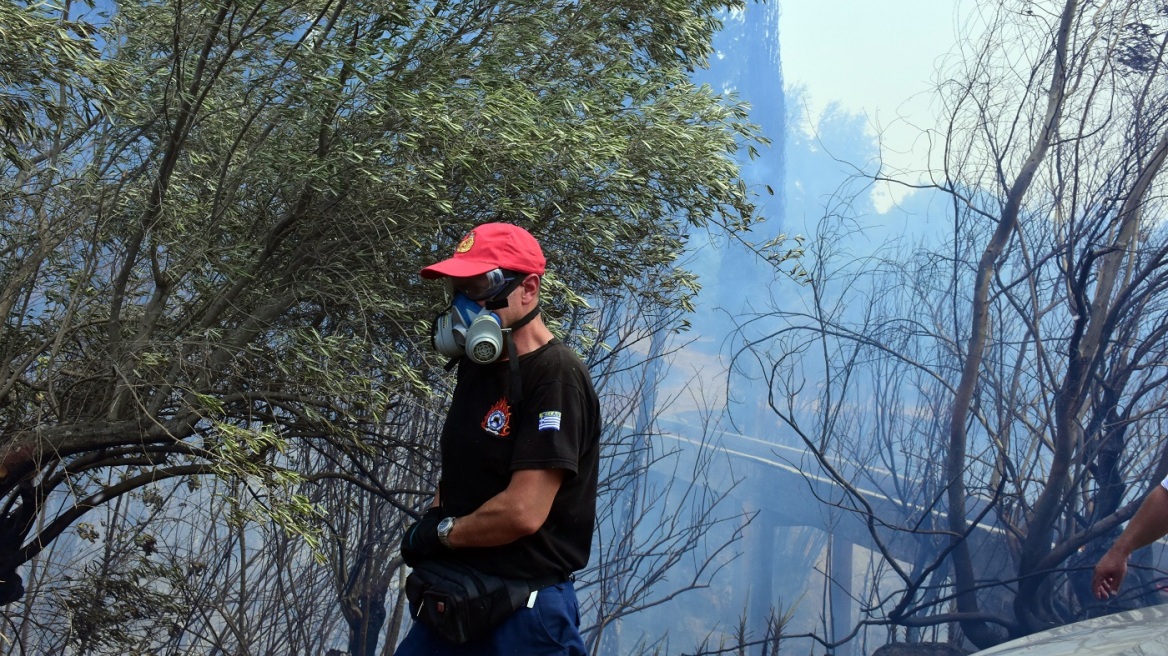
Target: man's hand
(421, 538)
(1109, 573)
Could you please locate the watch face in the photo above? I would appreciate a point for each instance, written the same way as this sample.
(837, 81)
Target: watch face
(444, 528)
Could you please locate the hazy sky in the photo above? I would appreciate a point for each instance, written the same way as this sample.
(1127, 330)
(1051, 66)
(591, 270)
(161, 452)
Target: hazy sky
(875, 58)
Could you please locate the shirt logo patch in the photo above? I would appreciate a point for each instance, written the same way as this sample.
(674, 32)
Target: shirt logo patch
(549, 420)
(498, 419)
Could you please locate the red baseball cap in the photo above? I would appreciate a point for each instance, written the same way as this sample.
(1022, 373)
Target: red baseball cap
(491, 246)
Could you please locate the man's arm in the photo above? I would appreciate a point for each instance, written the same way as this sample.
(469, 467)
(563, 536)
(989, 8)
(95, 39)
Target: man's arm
(1149, 524)
(517, 511)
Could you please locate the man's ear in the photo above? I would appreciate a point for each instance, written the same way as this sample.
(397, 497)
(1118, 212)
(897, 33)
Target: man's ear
(531, 286)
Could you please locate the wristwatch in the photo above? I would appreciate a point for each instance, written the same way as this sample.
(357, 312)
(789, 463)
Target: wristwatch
(444, 528)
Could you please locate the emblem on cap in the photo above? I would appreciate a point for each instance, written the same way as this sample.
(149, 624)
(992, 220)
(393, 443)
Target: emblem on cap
(466, 244)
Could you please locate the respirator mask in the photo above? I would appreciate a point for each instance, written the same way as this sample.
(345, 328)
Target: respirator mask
(467, 329)
(473, 330)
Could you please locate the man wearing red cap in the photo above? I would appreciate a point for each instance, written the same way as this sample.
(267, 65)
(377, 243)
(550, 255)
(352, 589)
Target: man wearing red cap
(520, 451)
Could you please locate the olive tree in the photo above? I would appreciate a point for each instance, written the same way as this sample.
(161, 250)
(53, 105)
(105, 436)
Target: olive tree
(210, 262)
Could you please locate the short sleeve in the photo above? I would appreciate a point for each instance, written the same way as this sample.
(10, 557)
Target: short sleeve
(550, 430)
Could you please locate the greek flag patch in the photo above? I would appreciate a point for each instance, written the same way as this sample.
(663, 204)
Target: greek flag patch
(549, 420)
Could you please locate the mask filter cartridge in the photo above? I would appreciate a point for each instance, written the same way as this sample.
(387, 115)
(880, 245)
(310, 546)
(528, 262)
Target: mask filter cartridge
(484, 339)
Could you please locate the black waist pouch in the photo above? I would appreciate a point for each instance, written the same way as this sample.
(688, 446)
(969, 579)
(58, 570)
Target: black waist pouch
(460, 603)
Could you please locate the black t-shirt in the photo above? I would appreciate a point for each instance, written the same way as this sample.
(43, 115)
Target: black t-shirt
(555, 425)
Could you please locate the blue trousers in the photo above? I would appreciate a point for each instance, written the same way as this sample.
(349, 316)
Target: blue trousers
(550, 628)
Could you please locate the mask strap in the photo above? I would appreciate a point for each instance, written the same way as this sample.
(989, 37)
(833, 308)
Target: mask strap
(526, 319)
(513, 358)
